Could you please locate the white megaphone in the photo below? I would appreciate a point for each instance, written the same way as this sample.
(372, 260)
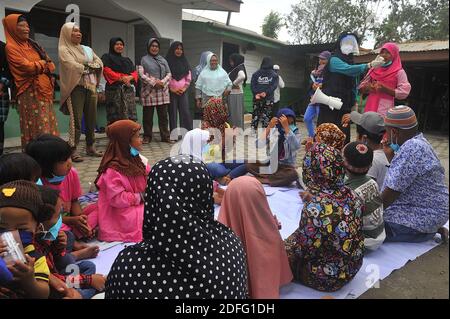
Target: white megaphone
(333, 102)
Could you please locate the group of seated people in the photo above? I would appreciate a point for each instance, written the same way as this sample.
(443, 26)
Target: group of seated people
(387, 186)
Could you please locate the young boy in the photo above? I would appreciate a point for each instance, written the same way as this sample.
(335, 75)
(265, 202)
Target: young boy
(358, 158)
(21, 209)
(370, 128)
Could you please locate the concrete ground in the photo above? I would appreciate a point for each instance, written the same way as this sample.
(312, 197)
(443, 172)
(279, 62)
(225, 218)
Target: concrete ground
(425, 277)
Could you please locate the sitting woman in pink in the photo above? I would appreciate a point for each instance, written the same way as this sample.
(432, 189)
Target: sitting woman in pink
(387, 83)
(121, 181)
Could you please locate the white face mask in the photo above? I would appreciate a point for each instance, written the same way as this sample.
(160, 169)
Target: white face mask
(349, 45)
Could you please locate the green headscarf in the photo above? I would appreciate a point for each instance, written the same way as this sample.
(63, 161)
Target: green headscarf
(213, 82)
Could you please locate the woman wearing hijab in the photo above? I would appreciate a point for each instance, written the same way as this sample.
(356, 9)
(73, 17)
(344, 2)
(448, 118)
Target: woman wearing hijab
(121, 77)
(340, 78)
(198, 114)
(80, 74)
(264, 83)
(185, 252)
(155, 74)
(178, 85)
(238, 77)
(246, 211)
(121, 181)
(5, 83)
(387, 83)
(326, 251)
(284, 133)
(31, 69)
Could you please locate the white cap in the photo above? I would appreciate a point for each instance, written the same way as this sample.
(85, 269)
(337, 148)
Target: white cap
(276, 67)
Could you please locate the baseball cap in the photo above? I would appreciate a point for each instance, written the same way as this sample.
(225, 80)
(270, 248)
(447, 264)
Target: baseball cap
(372, 122)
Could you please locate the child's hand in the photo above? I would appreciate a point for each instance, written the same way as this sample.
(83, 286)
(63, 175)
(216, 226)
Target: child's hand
(346, 120)
(5, 293)
(80, 223)
(23, 273)
(284, 121)
(71, 293)
(98, 282)
(61, 240)
(306, 196)
(273, 122)
(3, 248)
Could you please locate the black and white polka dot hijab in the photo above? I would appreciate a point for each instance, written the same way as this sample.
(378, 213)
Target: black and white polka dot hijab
(185, 252)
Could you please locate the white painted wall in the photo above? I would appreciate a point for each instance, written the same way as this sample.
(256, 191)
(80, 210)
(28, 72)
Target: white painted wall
(103, 30)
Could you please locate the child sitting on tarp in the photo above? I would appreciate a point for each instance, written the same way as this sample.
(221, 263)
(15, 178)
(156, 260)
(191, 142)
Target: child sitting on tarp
(283, 133)
(357, 161)
(52, 242)
(21, 209)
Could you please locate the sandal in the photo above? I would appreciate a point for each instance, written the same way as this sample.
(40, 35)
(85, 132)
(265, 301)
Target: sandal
(77, 158)
(93, 153)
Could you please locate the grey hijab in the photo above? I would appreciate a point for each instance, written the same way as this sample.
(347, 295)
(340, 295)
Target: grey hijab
(155, 66)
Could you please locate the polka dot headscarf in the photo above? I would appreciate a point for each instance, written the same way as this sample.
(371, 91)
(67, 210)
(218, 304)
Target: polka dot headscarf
(185, 252)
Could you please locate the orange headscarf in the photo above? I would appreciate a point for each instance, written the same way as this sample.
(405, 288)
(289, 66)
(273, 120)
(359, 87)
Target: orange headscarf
(27, 62)
(117, 155)
(246, 211)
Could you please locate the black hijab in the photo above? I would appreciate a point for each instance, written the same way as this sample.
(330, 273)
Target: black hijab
(267, 63)
(116, 61)
(337, 50)
(185, 252)
(179, 66)
(238, 66)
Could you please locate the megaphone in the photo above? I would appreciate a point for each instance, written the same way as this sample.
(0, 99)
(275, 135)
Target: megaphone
(333, 102)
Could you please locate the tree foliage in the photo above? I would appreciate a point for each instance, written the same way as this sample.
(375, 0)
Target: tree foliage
(272, 25)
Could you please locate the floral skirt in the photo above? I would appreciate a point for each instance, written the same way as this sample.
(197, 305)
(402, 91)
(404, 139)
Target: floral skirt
(36, 117)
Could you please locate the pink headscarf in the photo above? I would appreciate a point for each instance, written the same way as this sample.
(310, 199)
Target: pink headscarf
(390, 73)
(246, 211)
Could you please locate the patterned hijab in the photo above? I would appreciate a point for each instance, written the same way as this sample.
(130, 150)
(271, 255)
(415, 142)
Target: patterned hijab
(117, 155)
(330, 134)
(323, 169)
(185, 252)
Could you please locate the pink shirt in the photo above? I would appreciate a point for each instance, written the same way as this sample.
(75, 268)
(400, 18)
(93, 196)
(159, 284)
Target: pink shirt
(70, 191)
(183, 83)
(120, 209)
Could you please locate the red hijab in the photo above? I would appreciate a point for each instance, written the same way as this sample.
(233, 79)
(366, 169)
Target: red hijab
(388, 74)
(117, 155)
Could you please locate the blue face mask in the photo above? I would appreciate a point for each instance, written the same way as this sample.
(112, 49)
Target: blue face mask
(52, 233)
(387, 64)
(134, 151)
(205, 149)
(56, 179)
(39, 182)
(293, 128)
(394, 146)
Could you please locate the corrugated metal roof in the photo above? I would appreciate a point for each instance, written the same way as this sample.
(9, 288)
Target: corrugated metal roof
(418, 46)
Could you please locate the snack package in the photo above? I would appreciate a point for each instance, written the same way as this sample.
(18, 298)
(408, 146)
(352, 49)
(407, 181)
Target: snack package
(15, 252)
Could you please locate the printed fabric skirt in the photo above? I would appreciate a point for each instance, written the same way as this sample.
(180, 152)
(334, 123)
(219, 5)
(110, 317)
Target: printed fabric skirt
(36, 117)
(120, 104)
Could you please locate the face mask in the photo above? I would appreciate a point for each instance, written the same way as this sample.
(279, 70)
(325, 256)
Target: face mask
(387, 64)
(394, 146)
(56, 179)
(134, 151)
(293, 128)
(205, 149)
(52, 233)
(39, 182)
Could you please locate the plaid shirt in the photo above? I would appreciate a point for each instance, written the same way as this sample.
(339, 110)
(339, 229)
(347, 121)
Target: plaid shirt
(150, 96)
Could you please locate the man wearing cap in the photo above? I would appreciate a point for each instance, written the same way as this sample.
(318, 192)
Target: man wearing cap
(370, 128)
(415, 196)
(277, 93)
(312, 111)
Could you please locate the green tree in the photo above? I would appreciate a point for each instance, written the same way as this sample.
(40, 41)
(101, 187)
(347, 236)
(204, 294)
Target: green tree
(407, 21)
(321, 21)
(272, 25)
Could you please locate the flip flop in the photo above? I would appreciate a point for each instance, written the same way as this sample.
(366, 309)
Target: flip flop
(77, 158)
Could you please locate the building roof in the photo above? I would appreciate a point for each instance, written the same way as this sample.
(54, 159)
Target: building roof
(217, 27)
(216, 5)
(418, 46)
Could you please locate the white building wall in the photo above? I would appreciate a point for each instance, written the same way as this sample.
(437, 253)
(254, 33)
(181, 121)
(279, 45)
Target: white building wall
(103, 30)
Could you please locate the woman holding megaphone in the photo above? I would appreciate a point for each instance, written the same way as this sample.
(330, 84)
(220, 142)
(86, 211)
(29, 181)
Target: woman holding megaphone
(339, 81)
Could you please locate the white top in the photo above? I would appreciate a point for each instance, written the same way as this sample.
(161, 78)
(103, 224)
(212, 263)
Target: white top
(379, 168)
(239, 82)
(277, 93)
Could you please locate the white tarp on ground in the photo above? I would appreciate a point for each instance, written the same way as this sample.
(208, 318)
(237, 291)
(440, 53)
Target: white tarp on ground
(287, 206)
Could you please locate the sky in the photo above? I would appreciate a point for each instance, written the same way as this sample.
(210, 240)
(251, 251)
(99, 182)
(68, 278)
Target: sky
(253, 13)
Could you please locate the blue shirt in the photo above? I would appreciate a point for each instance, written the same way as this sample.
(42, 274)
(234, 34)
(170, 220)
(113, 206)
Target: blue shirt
(418, 175)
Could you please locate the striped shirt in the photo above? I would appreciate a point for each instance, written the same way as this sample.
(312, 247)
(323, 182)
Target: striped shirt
(150, 96)
(373, 224)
